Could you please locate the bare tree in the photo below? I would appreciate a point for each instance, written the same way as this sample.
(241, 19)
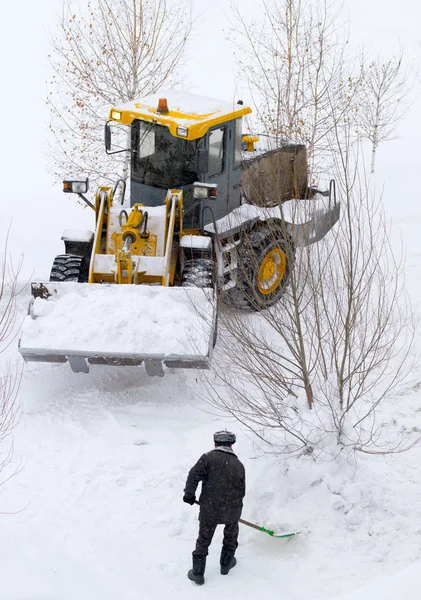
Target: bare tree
(107, 53)
(382, 100)
(10, 373)
(293, 62)
(296, 62)
(292, 59)
(339, 341)
(365, 313)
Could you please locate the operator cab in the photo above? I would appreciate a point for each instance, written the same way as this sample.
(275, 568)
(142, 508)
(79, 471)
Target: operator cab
(173, 149)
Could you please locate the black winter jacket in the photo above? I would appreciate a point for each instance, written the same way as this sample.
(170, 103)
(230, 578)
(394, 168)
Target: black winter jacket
(223, 485)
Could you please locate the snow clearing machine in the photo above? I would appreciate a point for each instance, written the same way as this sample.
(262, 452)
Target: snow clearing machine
(210, 215)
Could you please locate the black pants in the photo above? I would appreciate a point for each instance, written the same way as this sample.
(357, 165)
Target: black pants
(206, 531)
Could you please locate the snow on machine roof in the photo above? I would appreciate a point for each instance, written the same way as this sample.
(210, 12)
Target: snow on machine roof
(187, 115)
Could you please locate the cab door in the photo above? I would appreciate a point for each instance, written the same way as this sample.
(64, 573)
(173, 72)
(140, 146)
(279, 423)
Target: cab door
(217, 140)
(223, 144)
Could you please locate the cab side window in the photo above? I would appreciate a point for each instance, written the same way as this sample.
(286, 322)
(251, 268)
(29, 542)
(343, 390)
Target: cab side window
(216, 151)
(238, 154)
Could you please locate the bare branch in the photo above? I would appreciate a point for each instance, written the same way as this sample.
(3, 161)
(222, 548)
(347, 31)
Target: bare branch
(105, 54)
(308, 374)
(10, 374)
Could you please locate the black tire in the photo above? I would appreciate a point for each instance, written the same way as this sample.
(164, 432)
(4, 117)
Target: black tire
(263, 247)
(69, 267)
(200, 273)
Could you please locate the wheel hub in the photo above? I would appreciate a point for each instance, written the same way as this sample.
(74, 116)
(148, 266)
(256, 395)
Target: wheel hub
(271, 271)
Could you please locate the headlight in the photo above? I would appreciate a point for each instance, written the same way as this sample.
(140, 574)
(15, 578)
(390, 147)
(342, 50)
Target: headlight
(201, 191)
(76, 186)
(182, 131)
(116, 115)
(79, 187)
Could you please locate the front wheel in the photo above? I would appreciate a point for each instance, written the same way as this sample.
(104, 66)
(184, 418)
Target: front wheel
(69, 267)
(265, 264)
(200, 273)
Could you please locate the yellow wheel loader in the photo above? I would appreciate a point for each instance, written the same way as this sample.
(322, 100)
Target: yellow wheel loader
(210, 215)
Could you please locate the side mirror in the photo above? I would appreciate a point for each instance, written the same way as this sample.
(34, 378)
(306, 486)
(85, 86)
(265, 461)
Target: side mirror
(107, 137)
(119, 141)
(202, 160)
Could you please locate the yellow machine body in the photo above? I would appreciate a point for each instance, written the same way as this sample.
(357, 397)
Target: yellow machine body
(137, 245)
(142, 288)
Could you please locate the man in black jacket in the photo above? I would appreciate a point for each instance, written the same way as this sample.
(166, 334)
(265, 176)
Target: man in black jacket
(221, 501)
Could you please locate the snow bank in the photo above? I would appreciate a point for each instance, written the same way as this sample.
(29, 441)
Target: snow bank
(406, 584)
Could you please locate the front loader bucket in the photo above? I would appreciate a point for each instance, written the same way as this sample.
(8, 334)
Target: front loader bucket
(126, 325)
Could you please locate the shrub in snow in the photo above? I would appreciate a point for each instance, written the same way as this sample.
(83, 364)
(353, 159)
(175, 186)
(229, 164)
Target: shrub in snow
(10, 373)
(308, 374)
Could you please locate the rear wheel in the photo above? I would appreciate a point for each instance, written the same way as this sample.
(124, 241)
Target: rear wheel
(69, 267)
(265, 263)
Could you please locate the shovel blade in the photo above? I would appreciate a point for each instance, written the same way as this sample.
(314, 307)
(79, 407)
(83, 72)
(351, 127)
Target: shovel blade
(284, 535)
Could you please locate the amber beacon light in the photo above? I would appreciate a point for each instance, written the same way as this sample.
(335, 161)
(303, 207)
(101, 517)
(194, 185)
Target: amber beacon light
(162, 105)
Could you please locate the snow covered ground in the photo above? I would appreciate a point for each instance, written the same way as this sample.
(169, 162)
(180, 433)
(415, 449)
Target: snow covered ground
(95, 511)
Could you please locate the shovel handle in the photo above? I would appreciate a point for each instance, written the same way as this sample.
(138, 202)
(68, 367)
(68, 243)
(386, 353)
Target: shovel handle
(253, 525)
(245, 522)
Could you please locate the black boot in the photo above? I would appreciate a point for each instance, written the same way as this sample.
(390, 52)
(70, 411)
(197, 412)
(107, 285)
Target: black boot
(198, 570)
(228, 561)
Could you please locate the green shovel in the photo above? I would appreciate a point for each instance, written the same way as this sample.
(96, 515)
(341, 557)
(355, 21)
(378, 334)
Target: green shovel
(268, 531)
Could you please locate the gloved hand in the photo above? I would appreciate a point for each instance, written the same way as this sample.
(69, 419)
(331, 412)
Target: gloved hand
(189, 499)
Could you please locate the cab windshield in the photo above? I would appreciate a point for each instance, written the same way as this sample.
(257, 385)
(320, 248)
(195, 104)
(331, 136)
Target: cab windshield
(160, 159)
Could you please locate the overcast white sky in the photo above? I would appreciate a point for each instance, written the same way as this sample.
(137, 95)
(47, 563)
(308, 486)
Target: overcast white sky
(28, 191)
